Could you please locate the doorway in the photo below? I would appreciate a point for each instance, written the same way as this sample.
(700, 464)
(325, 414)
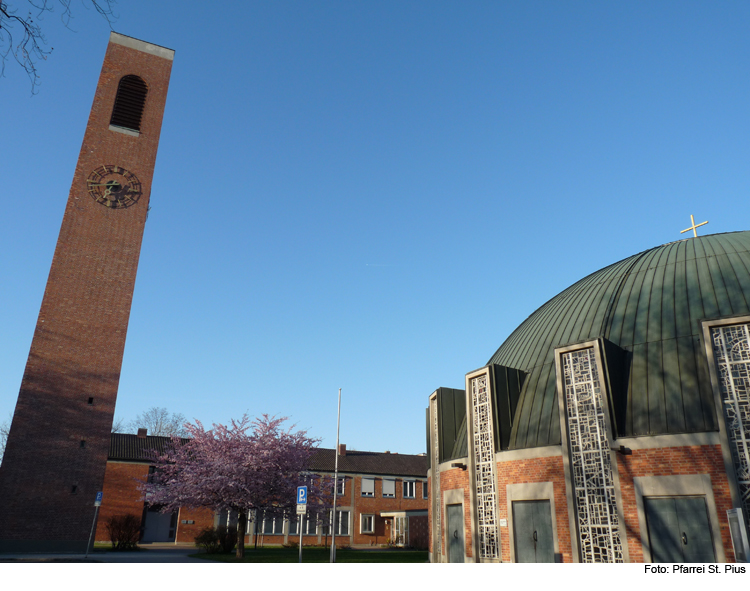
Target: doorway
(455, 532)
(158, 526)
(401, 531)
(532, 531)
(679, 530)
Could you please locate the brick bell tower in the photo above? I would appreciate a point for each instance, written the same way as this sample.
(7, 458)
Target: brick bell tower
(57, 449)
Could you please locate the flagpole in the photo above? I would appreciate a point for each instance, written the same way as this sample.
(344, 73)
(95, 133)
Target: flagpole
(335, 483)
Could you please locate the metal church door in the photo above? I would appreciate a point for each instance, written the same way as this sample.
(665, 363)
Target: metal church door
(455, 533)
(678, 529)
(532, 531)
(158, 526)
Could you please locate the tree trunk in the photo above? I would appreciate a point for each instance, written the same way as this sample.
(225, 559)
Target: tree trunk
(241, 527)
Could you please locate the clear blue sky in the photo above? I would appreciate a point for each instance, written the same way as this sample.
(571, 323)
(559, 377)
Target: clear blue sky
(372, 196)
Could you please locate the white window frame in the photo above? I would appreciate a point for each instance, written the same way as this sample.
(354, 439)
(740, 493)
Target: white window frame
(348, 516)
(277, 520)
(368, 494)
(425, 490)
(341, 486)
(410, 484)
(363, 526)
(307, 521)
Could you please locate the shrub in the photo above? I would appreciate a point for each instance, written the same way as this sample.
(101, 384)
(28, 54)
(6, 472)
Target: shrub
(220, 539)
(227, 538)
(208, 540)
(124, 531)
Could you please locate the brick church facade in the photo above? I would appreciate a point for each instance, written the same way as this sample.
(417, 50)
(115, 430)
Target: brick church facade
(613, 425)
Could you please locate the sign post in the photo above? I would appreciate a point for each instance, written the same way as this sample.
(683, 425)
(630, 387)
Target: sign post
(301, 512)
(335, 484)
(97, 504)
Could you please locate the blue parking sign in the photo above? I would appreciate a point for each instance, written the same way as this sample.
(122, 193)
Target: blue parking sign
(302, 495)
(98, 501)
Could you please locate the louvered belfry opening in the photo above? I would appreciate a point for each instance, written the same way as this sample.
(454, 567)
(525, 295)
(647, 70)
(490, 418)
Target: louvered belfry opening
(129, 103)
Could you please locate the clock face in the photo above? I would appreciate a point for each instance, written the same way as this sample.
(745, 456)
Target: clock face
(114, 187)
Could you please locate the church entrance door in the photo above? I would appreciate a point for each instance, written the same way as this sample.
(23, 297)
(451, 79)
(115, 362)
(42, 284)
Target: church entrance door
(532, 531)
(159, 527)
(455, 514)
(678, 529)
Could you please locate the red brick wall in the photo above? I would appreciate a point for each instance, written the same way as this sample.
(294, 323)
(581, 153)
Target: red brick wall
(77, 347)
(536, 470)
(378, 504)
(121, 494)
(186, 532)
(451, 480)
(419, 528)
(673, 461)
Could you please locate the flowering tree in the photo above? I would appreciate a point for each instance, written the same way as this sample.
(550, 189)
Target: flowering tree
(244, 466)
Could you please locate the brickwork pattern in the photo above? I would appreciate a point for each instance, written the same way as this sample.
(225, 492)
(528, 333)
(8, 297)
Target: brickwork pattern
(202, 518)
(419, 530)
(536, 470)
(121, 494)
(378, 504)
(673, 461)
(450, 480)
(76, 351)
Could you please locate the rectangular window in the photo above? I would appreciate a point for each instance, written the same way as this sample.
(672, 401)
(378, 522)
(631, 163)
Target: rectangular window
(425, 490)
(273, 525)
(367, 525)
(342, 524)
(341, 486)
(309, 525)
(368, 487)
(409, 486)
(389, 488)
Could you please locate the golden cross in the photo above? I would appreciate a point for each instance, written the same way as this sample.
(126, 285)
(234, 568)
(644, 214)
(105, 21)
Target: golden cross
(693, 227)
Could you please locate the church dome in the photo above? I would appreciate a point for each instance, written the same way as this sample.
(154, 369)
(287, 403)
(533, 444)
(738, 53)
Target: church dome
(651, 306)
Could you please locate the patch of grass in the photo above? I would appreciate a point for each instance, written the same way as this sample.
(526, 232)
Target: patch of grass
(107, 547)
(311, 555)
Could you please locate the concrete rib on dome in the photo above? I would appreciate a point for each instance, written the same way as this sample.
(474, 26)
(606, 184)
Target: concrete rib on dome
(651, 305)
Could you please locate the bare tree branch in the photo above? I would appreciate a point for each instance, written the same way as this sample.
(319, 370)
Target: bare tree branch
(29, 46)
(4, 431)
(118, 425)
(159, 421)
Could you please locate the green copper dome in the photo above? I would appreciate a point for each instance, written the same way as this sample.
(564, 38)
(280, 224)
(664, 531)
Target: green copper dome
(651, 305)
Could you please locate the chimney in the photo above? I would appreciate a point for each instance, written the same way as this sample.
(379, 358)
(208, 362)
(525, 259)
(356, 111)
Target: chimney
(342, 449)
(142, 433)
